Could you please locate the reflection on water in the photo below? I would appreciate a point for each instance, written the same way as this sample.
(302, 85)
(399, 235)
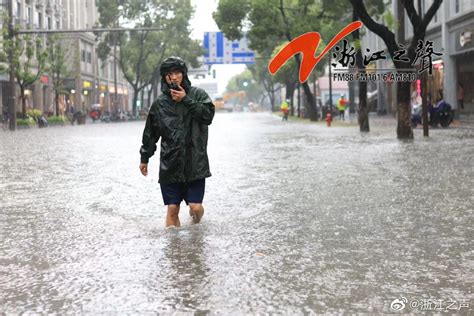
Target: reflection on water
(300, 218)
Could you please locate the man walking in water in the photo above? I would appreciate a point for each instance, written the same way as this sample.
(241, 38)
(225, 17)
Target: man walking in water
(341, 106)
(180, 117)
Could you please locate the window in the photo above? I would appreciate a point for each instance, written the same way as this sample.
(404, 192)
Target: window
(28, 16)
(18, 10)
(40, 20)
(83, 55)
(58, 25)
(89, 57)
(456, 6)
(50, 25)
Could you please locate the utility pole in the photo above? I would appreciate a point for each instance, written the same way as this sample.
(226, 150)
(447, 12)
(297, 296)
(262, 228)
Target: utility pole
(424, 105)
(12, 98)
(114, 34)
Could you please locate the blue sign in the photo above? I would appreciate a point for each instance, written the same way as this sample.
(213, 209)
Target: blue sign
(220, 50)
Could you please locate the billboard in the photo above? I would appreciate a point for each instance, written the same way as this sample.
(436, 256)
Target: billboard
(220, 50)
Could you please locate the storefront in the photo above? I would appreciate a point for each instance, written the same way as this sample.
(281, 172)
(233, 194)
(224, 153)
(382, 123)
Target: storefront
(122, 99)
(464, 56)
(434, 84)
(87, 94)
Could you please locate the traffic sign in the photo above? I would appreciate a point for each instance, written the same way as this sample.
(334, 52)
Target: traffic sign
(220, 50)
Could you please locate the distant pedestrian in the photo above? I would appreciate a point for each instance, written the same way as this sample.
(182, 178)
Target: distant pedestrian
(341, 106)
(180, 117)
(284, 109)
(460, 96)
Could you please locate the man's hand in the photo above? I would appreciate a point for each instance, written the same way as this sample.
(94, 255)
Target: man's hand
(178, 95)
(144, 169)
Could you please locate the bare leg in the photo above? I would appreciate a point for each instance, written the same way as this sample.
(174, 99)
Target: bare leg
(196, 210)
(172, 217)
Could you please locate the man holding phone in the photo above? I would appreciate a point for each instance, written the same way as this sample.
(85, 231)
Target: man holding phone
(180, 117)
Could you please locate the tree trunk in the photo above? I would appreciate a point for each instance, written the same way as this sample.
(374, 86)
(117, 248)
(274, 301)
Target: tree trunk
(134, 102)
(419, 23)
(156, 91)
(271, 95)
(150, 101)
(424, 105)
(312, 113)
(363, 108)
(56, 101)
(23, 101)
(290, 92)
(404, 130)
(263, 99)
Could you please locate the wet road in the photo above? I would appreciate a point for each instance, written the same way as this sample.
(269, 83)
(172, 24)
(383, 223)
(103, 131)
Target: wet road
(299, 219)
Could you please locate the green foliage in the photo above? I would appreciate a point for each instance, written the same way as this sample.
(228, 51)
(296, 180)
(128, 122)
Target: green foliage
(141, 52)
(269, 28)
(390, 21)
(289, 69)
(34, 114)
(230, 17)
(58, 48)
(375, 8)
(31, 48)
(28, 58)
(58, 119)
(245, 82)
(25, 122)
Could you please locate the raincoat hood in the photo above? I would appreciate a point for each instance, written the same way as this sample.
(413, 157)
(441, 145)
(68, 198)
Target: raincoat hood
(170, 64)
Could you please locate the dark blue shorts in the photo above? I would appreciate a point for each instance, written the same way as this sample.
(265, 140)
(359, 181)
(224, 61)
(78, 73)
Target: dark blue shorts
(174, 193)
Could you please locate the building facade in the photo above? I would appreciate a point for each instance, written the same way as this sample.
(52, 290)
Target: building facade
(452, 32)
(89, 81)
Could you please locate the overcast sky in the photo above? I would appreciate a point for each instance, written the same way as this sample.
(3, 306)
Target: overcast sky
(203, 22)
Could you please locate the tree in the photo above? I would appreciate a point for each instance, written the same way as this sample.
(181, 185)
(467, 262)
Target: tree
(244, 82)
(260, 73)
(420, 23)
(363, 111)
(58, 69)
(272, 23)
(29, 59)
(140, 53)
(288, 75)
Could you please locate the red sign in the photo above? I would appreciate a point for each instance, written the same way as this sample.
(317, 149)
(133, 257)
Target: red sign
(44, 79)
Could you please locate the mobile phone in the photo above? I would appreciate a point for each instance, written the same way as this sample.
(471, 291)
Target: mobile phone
(173, 86)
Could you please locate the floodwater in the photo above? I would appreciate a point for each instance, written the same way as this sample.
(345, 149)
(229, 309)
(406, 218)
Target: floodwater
(300, 219)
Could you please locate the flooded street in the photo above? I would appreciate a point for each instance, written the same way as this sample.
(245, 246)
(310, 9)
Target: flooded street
(300, 218)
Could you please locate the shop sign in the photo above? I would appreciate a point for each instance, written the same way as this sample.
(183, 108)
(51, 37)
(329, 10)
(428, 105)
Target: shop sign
(86, 84)
(119, 90)
(44, 79)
